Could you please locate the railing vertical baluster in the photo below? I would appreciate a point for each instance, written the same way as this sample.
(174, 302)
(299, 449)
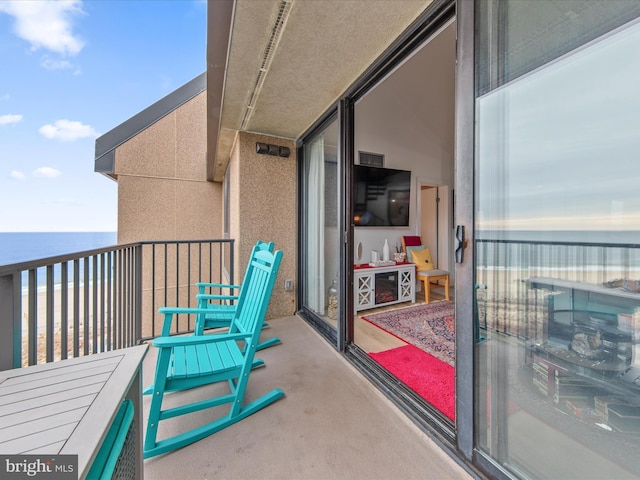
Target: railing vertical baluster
(33, 317)
(153, 290)
(76, 307)
(123, 297)
(200, 261)
(132, 278)
(125, 300)
(178, 281)
(127, 279)
(102, 326)
(130, 295)
(231, 262)
(11, 320)
(50, 315)
(86, 319)
(220, 261)
(109, 300)
(117, 301)
(138, 283)
(166, 275)
(189, 283)
(94, 290)
(64, 310)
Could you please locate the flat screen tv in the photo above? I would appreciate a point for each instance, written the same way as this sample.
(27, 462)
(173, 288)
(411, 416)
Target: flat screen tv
(380, 197)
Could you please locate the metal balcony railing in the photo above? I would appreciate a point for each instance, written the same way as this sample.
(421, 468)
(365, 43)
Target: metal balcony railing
(506, 302)
(104, 299)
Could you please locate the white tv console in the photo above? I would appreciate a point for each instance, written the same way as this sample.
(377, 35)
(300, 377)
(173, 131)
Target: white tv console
(379, 286)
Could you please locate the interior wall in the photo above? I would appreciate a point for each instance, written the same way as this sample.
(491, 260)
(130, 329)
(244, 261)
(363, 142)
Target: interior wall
(429, 219)
(409, 118)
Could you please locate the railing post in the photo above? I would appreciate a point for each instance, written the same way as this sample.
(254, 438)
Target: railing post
(10, 313)
(137, 322)
(232, 254)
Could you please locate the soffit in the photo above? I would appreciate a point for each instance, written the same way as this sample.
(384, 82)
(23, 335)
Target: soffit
(322, 49)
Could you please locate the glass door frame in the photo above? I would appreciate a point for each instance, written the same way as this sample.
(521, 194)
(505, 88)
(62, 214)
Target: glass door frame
(464, 217)
(467, 331)
(424, 27)
(329, 333)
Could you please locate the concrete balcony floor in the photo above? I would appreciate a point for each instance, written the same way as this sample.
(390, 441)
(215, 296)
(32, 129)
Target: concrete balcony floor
(332, 423)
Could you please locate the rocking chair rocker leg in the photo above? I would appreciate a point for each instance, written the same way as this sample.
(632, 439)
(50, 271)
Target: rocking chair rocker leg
(184, 439)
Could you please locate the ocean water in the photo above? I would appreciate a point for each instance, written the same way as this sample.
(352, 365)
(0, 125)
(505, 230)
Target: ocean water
(608, 237)
(561, 250)
(18, 247)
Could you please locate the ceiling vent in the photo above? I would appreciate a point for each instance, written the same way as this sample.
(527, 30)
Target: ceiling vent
(267, 56)
(371, 159)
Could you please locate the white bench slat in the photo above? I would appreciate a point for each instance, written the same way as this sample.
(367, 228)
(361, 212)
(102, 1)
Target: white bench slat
(52, 421)
(46, 449)
(47, 371)
(39, 439)
(59, 397)
(55, 378)
(44, 391)
(45, 411)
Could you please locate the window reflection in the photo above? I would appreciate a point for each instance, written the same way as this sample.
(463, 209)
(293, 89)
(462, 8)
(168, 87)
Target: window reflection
(558, 249)
(320, 229)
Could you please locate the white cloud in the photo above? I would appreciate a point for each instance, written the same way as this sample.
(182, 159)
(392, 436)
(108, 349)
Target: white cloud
(67, 130)
(17, 175)
(54, 64)
(9, 119)
(46, 172)
(46, 24)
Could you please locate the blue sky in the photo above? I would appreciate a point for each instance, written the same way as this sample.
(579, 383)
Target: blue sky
(558, 147)
(72, 71)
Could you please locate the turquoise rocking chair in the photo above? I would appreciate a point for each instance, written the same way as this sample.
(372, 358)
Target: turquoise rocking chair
(192, 361)
(220, 314)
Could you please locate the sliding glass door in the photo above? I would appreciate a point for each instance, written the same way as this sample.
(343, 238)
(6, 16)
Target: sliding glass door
(557, 237)
(319, 216)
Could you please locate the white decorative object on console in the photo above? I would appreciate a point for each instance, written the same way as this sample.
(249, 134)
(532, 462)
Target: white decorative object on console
(385, 251)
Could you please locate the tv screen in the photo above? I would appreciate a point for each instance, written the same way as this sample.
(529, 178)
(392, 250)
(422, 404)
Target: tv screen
(381, 197)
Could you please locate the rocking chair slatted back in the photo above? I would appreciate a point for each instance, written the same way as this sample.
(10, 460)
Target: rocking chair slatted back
(259, 277)
(221, 313)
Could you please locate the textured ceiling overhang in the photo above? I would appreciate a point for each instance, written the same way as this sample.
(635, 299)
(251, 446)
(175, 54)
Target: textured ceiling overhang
(288, 61)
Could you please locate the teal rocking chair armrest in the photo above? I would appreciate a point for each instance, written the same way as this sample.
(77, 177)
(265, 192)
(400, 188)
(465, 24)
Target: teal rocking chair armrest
(169, 312)
(162, 342)
(217, 285)
(213, 296)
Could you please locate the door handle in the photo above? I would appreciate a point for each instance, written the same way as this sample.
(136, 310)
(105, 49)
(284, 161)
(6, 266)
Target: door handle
(460, 243)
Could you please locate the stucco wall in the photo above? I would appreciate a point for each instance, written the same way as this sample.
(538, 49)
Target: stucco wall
(163, 193)
(263, 206)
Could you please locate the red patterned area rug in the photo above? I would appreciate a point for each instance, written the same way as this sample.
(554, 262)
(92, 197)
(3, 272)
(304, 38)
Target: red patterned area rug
(430, 327)
(429, 377)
